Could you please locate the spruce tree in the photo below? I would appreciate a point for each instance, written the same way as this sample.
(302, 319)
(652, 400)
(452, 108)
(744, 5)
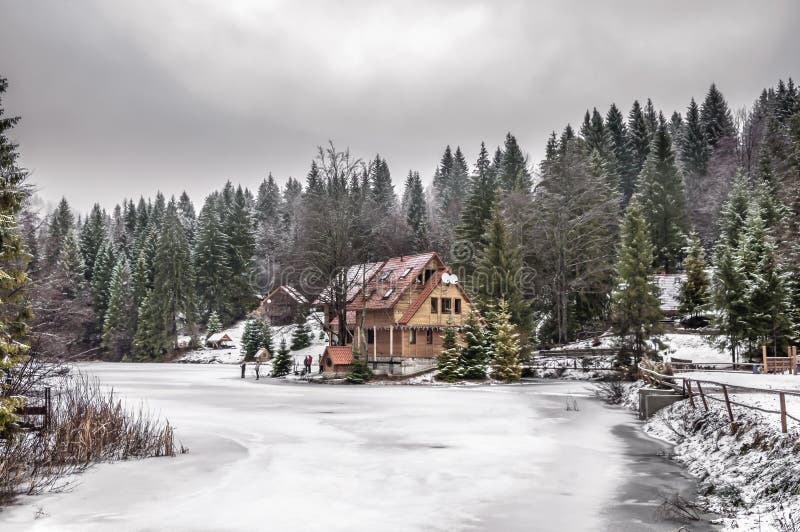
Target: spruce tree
(448, 362)
(104, 265)
(694, 293)
(301, 337)
(266, 336)
(69, 270)
(476, 353)
(238, 228)
(251, 338)
(663, 201)
(498, 269)
(62, 223)
(214, 325)
(636, 312)
(211, 262)
(620, 145)
(382, 188)
(93, 234)
(417, 212)
(187, 216)
(477, 212)
(282, 361)
(14, 310)
(505, 345)
(716, 116)
(639, 142)
(694, 149)
(118, 326)
(514, 174)
(268, 202)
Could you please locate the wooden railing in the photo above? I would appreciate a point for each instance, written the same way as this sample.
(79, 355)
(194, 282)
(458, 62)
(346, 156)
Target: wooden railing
(694, 390)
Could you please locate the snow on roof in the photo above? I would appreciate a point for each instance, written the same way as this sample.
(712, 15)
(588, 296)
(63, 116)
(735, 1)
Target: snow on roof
(353, 278)
(219, 337)
(669, 285)
(291, 292)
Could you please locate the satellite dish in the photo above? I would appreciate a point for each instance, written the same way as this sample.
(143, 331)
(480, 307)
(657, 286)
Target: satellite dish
(446, 278)
(453, 278)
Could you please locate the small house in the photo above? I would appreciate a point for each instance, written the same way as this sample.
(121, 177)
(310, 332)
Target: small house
(263, 355)
(218, 340)
(337, 360)
(283, 305)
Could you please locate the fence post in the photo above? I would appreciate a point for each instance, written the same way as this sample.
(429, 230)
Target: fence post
(47, 407)
(764, 356)
(702, 395)
(783, 412)
(727, 402)
(794, 360)
(689, 389)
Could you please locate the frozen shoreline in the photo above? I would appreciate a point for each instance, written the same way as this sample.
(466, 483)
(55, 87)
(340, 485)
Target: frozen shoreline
(294, 457)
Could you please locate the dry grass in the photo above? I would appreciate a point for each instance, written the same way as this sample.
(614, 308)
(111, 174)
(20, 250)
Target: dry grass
(88, 425)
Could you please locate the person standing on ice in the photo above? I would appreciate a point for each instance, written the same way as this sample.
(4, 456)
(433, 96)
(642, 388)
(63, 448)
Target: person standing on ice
(258, 369)
(244, 367)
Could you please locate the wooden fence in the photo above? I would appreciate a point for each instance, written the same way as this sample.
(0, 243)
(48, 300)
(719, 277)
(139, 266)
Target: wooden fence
(41, 409)
(590, 359)
(698, 394)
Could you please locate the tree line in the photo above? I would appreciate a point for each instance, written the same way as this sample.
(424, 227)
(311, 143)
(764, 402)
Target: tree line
(565, 244)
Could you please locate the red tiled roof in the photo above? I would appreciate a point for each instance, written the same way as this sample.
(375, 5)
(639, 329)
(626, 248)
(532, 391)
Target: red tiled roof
(351, 319)
(433, 283)
(389, 277)
(339, 354)
(353, 280)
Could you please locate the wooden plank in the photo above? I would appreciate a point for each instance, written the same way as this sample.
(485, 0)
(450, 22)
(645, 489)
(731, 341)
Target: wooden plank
(691, 395)
(702, 395)
(783, 412)
(727, 402)
(764, 356)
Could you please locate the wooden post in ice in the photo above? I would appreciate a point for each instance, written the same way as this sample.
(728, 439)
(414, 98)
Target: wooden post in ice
(783, 412)
(794, 360)
(764, 356)
(702, 395)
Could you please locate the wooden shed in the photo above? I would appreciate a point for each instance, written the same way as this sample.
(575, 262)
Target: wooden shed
(218, 340)
(263, 355)
(337, 361)
(283, 305)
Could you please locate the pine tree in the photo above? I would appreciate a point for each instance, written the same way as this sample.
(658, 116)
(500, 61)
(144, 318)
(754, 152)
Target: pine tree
(694, 293)
(448, 362)
(266, 337)
(514, 174)
(663, 201)
(618, 138)
(639, 140)
(382, 188)
(93, 234)
(62, 223)
(148, 340)
(118, 326)
(476, 353)
(187, 216)
(636, 312)
(251, 338)
(282, 362)
(301, 337)
(694, 152)
(14, 311)
(268, 202)
(238, 228)
(211, 261)
(214, 325)
(477, 212)
(104, 265)
(498, 269)
(716, 116)
(417, 212)
(505, 345)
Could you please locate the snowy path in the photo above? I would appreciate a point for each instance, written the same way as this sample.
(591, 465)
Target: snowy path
(271, 456)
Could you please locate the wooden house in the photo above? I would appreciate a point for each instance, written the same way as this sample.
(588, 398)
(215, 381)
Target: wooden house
(283, 305)
(408, 303)
(263, 355)
(219, 340)
(336, 360)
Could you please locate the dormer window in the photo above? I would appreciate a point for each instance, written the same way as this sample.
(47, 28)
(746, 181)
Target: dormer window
(388, 293)
(405, 273)
(385, 275)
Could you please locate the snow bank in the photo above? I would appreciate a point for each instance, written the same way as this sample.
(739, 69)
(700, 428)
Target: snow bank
(748, 472)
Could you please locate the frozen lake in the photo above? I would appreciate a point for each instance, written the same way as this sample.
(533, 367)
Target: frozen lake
(269, 455)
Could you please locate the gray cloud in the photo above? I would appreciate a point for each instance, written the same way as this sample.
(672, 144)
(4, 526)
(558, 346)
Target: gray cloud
(120, 99)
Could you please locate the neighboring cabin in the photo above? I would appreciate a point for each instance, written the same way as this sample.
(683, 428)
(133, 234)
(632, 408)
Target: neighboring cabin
(409, 301)
(283, 305)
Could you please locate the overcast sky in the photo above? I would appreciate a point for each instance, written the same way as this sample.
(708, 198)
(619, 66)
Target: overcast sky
(119, 99)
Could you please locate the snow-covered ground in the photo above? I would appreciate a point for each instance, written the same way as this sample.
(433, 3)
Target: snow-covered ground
(750, 473)
(272, 455)
(233, 354)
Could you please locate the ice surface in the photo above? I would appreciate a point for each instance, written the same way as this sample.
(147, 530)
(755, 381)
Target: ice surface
(272, 455)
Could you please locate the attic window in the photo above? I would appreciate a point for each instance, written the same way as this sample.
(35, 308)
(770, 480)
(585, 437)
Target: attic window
(405, 273)
(385, 275)
(388, 293)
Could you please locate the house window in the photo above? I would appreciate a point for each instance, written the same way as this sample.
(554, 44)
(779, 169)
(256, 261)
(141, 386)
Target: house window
(434, 305)
(405, 273)
(385, 275)
(388, 293)
(457, 305)
(370, 336)
(412, 336)
(429, 336)
(428, 275)
(446, 302)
